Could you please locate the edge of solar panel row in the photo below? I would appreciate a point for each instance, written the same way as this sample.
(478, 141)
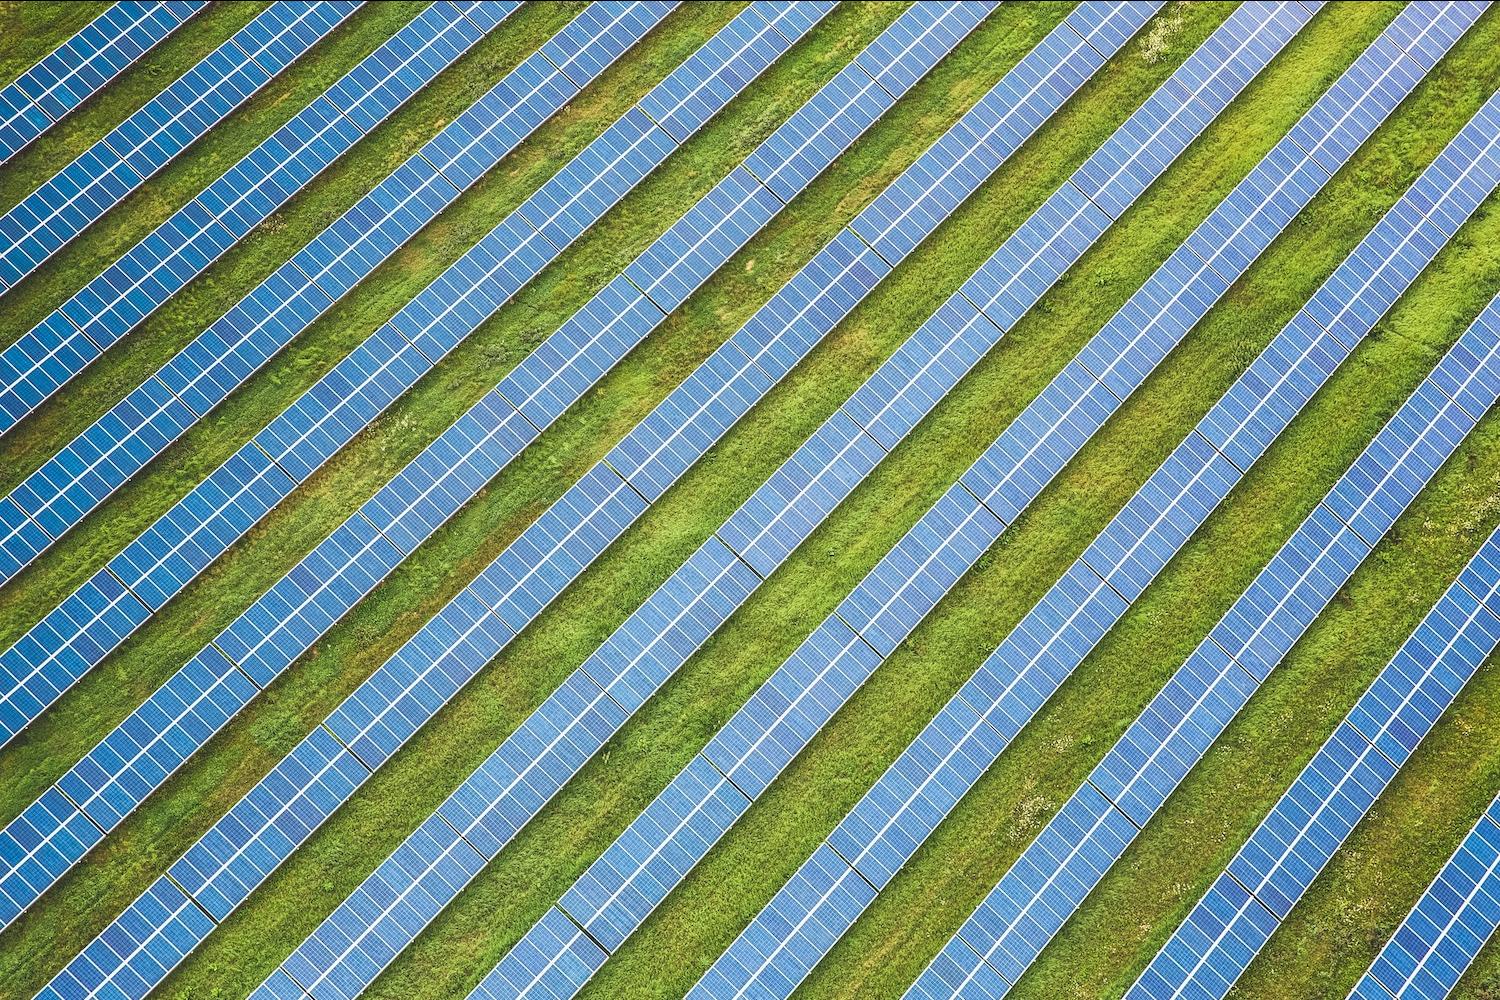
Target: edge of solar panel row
(641, 852)
(1011, 926)
(57, 496)
(1246, 904)
(149, 139)
(1451, 921)
(81, 66)
(112, 304)
(181, 543)
(202, 696)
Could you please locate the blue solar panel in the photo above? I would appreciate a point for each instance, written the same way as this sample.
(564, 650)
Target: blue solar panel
(801, 493)
(412, 686)
(1159, 749)
(556, 961)
(1451, 921)
(656, 851)
(236, 495)
(787, 711)
(923, 566)
(124, 962)
(782, 949)
(82, 65)
(142, 144)
(203, 374)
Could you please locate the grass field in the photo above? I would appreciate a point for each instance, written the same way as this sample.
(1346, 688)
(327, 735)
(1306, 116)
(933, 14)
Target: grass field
(1330, 937)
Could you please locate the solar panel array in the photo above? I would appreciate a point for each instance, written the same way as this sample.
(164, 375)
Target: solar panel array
(1446, 928)
(196, 702)
(888, 826)
(1054, 874)
(137, 429)
(145, 142)
(80, 67)
(405, 693)
(687, 95)
(672, 834)
(947, 757)
(200, 232)
(1247, 903)
(118, 598)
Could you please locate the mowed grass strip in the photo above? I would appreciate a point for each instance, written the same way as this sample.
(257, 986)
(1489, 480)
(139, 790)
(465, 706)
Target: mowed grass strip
(969, 853)
(141, 850)
(109, 692)
(316, 879)
(30, 31)
(157, 338)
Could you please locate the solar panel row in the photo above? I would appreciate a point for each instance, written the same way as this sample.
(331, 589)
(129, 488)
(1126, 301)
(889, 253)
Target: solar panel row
(1445, 930)
(200, 232)
(179, 717)
(722, 68)
(406, 696)
(1247, 903)
(136, 430)
(1055, 873)
(78, 68)
(635, 873)
(639, 870)
(218, 511)
(146, 141)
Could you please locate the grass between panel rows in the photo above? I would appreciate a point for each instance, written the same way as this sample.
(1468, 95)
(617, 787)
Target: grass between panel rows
(206, 791)
(30, 31)
(229, 279)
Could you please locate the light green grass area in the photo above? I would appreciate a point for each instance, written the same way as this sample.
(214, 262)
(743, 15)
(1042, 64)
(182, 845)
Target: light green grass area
(29, 31)
(1328, 941)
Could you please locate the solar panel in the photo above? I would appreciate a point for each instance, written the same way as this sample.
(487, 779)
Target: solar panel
(1157, 751)
(80, 67)
(235, 496)
(146, 141)
(167, 728)
(1243, 908)
(196, 235)
(138, 428)
(1452, 920)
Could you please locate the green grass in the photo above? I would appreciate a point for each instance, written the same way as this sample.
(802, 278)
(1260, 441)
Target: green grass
(1347, 916)
(550, 301)
(278, 237)
(30, 31)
